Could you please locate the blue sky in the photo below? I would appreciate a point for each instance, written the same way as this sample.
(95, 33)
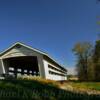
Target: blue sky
(53, 26)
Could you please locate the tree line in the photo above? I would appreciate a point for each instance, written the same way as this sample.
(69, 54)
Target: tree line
(88, 60)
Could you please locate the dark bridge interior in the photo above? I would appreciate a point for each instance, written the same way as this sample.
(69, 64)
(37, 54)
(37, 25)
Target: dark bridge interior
(26, 65)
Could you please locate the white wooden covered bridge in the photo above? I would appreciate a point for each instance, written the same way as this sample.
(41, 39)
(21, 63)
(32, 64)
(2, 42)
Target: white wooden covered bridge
(20, 59)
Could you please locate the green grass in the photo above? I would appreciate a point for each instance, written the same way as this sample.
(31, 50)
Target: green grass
(38, 90)
(86, 85)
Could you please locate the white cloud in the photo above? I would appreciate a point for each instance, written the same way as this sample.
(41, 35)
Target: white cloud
(71, 70)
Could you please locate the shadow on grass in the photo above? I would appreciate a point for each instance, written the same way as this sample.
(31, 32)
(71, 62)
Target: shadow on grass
(35, 90)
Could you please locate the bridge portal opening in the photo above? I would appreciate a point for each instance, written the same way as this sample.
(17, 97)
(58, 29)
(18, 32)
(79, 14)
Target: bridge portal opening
(26, 65)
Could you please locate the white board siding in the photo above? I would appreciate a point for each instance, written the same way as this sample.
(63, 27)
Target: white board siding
(1, 67)
(16, 52)
(51, 76)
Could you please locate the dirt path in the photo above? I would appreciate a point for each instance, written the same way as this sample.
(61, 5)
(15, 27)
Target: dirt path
(68, 87)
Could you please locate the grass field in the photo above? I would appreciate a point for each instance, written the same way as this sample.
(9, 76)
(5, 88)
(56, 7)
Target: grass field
(83, 87)
(86, 85)
(23, 89)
